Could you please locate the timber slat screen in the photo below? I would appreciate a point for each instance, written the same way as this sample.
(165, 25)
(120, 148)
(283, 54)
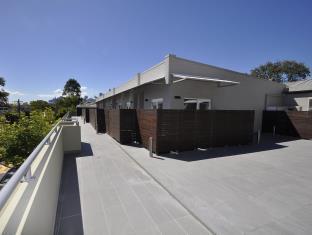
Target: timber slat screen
(85, 114)
(97, 119)
(100, 120)
(121, 124)
(187, 130)
(291, 123)
(147, 124)
(79, 111)
(92, 117)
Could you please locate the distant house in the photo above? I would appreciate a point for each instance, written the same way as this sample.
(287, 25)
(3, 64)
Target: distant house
(178, 83)
(3, 109)
(298, 95)
(84, 109)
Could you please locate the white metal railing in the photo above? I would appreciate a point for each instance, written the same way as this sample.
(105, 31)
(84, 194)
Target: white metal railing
(24, 171)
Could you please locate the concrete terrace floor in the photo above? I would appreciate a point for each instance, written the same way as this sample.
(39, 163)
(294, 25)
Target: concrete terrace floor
(259, 189)
(103, 191)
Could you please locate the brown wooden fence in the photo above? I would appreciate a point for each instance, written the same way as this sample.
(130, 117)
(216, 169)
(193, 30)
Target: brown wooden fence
(79, 111)
(121, 124)
(92, 118)
(85, 114)
(291, 123)
(101, 127)
(147, 126)
(97, 119)
(187, 130)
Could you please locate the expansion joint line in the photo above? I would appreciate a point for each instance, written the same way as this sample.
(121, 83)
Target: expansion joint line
(165, 188)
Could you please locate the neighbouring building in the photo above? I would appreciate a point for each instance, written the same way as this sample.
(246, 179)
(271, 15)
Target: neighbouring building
(178, 83)
(298, 95)
(3, 109)
(84, 110)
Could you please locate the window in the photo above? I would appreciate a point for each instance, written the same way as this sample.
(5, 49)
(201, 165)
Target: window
(157, 103)
(129, 105)
(310, 104)
(190, 104)
(197, 104)
(203, 104)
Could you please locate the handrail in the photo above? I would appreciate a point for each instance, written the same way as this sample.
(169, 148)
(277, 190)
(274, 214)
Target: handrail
(25, 169)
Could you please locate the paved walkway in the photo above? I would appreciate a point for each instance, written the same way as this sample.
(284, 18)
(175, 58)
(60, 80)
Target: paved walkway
(118, 197)
(263, 189)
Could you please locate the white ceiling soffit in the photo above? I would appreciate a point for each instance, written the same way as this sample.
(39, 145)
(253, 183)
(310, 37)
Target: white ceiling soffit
(183, 77)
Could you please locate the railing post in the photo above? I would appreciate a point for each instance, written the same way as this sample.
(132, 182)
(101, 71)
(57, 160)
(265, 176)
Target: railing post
(274, 129)
(48, 141)
(150, 146)
(24, 173)
(28, 176)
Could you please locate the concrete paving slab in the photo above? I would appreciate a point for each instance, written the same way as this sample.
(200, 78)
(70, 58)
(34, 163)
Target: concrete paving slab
(260, 189)
(118, 197)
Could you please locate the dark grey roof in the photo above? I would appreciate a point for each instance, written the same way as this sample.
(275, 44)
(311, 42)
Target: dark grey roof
(299, 86)
(87, 105)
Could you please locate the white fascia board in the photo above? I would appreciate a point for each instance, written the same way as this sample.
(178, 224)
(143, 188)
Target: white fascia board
(183, 77)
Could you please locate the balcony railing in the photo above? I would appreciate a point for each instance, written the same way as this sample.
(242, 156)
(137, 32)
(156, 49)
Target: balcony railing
(28, 201)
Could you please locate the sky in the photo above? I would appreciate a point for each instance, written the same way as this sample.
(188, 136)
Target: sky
(103, 43)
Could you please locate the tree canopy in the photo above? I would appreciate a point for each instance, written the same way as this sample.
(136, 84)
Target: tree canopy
(72, 88)
(18, 139)
(3, 94)
(39, 105)
(281, 71)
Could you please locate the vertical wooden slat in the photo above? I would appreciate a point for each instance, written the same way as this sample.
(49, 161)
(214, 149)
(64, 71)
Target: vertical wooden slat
(147, 127)
(180, 129)
(290, 123)
(186, 130)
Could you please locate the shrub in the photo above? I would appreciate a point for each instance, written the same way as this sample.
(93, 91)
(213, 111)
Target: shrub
(17, 140)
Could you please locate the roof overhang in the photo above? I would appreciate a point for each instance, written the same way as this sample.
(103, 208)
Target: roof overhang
(86, 106)
(297, 92)
(221, 82)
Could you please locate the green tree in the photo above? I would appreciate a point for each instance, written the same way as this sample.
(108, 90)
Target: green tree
(72, 88)
(65, 104)
(18, 140)
(3, 94)
(39, 105)
(294, 71)
(281, 71)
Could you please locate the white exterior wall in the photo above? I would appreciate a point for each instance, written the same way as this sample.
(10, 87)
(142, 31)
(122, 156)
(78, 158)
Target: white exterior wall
(191, 89)
(31, 209)
(71, 139)
(156, 72)
(298, 99)
(127, 85)
(250, 94)
(155, 91)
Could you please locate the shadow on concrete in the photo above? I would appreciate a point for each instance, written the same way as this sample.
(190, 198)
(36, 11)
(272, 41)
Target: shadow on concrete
(267, 143)
(69, 217)
(86, 150)
(157, 157)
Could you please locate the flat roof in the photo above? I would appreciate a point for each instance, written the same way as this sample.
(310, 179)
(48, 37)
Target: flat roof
(86, 106)
(183, 77)
(300, 86)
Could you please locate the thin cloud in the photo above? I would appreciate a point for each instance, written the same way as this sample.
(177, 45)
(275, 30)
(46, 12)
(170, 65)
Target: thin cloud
(12, 92)
(46, 95)
(59, 92)
(56, 93)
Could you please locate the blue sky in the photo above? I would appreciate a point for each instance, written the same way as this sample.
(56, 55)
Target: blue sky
(104, 43)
